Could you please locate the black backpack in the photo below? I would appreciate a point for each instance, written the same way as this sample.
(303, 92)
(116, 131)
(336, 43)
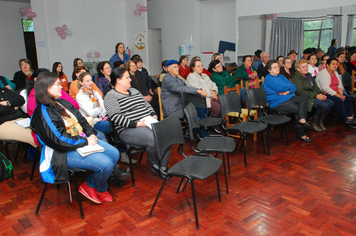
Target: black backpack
(5, 168)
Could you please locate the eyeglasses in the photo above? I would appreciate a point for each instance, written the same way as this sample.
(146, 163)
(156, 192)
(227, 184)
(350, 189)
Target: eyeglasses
(275, 67)
(24, 63)
(174, 67)
(58, 84)
(132, 65)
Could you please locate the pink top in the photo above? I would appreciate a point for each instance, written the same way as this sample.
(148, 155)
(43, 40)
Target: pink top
(31, 102)
(249, 72)
(334, 83)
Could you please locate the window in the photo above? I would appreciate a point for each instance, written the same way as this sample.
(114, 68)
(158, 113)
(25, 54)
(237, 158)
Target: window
(318, 34)
(27, 25)
(354, 34)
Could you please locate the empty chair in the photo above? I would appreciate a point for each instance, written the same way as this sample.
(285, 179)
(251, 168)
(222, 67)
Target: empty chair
(231, 103)
(169, 132)
(256, 100)
(211, 144)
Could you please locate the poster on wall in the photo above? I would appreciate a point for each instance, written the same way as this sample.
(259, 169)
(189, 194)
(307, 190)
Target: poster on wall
(140, 40)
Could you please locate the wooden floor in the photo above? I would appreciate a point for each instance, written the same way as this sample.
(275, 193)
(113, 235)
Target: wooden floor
(304, 189)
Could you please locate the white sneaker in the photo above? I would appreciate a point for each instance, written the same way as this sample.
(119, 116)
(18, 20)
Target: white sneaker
(124, 158)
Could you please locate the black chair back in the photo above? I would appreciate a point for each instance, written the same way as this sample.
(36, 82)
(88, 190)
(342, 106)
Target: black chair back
(256, 99)
(167, 132)
(197, 100)
(192, 118)
(229, 103)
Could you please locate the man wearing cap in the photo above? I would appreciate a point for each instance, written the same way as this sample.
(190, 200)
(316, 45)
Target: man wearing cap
(172, 86)
(257, 59)
(293, 56)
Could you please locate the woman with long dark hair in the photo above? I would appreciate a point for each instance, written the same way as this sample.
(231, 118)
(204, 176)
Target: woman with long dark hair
(104, 71)
(58, 68)
(62, 130)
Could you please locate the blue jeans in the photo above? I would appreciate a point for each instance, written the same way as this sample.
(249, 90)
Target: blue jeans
(103, 126)
(143, 136)
(101, 163)
(322, 107)
(342, 108)
(243, 95)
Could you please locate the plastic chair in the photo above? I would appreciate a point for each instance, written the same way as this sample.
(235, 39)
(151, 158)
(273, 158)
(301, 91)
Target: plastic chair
(211, 144)
(257, 101)
(72, 175)
(169, 132)
(231, 103)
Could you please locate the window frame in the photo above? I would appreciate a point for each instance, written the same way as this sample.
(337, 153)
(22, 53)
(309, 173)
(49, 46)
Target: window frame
(320, 30)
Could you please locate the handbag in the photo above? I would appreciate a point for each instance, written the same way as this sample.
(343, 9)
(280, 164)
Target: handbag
(5, 168)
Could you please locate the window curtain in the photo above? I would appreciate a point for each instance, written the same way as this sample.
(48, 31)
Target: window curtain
(337, 29)
(350, 24)
(286, 35)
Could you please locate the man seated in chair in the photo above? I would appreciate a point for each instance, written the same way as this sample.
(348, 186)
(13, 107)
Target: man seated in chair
(10, 102)
(172, 86)
(262, 69)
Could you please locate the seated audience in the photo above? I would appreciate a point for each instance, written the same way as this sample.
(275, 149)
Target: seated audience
(306, 53)
(247, 73)
(215, 56)
(293, 56)
(78, 62)
(307, 87)
(184, 69)
(281, 98)
(221, 77)
(6, 83)
(332, 49)
(329, 81)
(262, 69)
(127, 109)
(172, 87)
(200, 80)
(312, 69)
(342, 68)
(104, 71)
(351, 61)
(119, 64)
(287, 69)
(21, 77)
(119, 55)
(257, 58)
(323, 60)
(73, 88)
(62, 130)
(91, 104)
(205, 71)
(10, 102)
(280, 60)
(58, 68)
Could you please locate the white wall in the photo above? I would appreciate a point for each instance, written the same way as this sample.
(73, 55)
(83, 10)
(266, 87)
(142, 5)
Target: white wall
(12, 44)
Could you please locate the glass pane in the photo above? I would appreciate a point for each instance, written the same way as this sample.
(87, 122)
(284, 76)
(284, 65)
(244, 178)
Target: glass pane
(27, 25)
(309, 25)
(328, 24)
(354, 24)
(310, 39)
(354, 39)
(325, 39)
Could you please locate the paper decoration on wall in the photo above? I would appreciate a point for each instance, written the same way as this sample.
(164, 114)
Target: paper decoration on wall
(93, 55)
(27, 14)
(271, 16)
(63, 31)
(140, 40)
(140, 10)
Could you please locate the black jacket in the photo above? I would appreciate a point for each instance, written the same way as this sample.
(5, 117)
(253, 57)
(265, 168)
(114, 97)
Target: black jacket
(50, 129)
(9, 112)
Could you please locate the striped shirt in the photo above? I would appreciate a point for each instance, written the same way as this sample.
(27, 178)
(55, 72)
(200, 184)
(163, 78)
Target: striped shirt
(125, 110)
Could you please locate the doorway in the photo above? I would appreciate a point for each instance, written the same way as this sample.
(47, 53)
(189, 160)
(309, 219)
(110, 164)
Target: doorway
(30, 42)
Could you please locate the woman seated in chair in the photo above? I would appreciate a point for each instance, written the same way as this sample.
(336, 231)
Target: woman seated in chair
(281, 98)
(104, 71)
(287, 69)
(221, 77)
(351, 61)
(73, 88)
(61, 130)
(329, 81)
(306, 86)
(198, 79)
(91, 104)
(128, 109)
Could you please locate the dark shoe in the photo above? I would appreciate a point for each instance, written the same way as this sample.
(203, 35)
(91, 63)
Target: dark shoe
(350, 122)
(315, 124)
(161, 173)
(306, 139)
(89, 193)
(303, 125)
(321, 121)
(119, 174)
(116, 181)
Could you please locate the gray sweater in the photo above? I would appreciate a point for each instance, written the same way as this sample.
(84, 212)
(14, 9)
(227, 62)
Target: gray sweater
(171, 95)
